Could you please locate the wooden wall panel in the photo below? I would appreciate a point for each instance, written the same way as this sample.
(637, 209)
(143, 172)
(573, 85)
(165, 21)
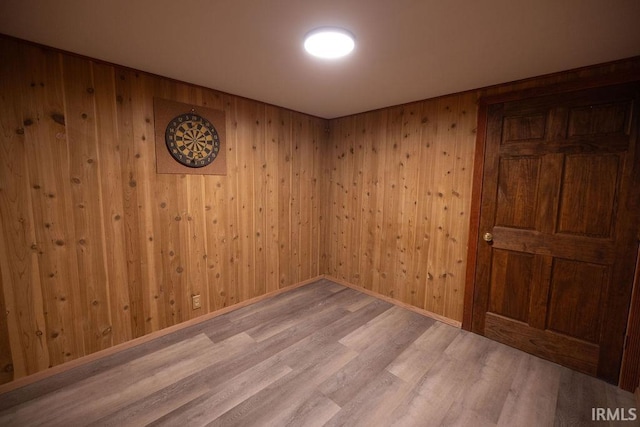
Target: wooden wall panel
(400, 188)
(18, 250)
(6, 367)
(51, 195)
(96, 248)
(113, 203)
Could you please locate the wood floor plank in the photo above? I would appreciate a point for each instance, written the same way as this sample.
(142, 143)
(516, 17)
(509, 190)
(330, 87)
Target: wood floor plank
(384, 327)
(317, 355)
(418, 358)
(487, 392)
(151, 407)
(286, 396)
(618, 398)
(95, 397)
(442, 385)
(533, 394)
(104, 364)
(579, 394)
(200, 388)
(576, 393)
(272, 305)
(335, 287)
(222, 373)
(314, 412)
(290, 315)
(378, 342)
(268, 322)
(222, 398)
(280, 306)
(374, 404)
(81, 389)
(363, 301)
(259, 352)
(297, 355)
(460, 416)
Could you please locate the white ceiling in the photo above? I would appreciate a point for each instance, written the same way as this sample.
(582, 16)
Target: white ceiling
(406, 50)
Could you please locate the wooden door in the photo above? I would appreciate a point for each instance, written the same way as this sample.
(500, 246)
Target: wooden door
(560, 199)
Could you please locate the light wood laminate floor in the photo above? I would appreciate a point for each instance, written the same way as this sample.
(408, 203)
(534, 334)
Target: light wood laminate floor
(318, 355)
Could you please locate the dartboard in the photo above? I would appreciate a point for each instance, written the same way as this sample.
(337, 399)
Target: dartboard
(192, 140)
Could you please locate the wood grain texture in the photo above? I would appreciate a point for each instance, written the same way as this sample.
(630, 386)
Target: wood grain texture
(559, 348)
(98, 249)
(399, 192)
(383, 202)
(6, 365)
(328, 365)
(22, 285)
(573, 205)
(399, 208)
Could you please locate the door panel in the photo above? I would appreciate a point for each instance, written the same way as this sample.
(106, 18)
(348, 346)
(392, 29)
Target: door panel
(517, 192)
(559, 188)
(600, 119)
(565, 350)
(510, 284)
(575, 301)
(524, 128)
(589, 190)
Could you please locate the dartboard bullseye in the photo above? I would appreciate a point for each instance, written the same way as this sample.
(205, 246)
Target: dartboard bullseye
(192, 140)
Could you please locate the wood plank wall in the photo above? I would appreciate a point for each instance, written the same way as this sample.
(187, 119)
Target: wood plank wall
(399, 192)
(397, 189)
(96, 248)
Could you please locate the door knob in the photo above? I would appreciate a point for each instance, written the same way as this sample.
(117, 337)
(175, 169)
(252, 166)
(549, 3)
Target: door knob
(488, 237)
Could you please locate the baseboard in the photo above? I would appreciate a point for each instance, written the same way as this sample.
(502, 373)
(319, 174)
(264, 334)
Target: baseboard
(29, 379)
(399, 303)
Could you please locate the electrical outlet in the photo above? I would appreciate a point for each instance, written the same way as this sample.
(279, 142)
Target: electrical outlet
(195, 301)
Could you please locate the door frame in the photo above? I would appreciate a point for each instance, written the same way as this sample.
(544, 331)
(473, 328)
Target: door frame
(631, 357)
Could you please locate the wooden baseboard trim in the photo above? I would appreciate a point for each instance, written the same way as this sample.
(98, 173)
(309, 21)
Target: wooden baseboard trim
(393, 301)
(30, 379)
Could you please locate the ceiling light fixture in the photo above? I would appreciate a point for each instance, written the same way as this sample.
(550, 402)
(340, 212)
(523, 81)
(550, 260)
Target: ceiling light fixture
(329, 42)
